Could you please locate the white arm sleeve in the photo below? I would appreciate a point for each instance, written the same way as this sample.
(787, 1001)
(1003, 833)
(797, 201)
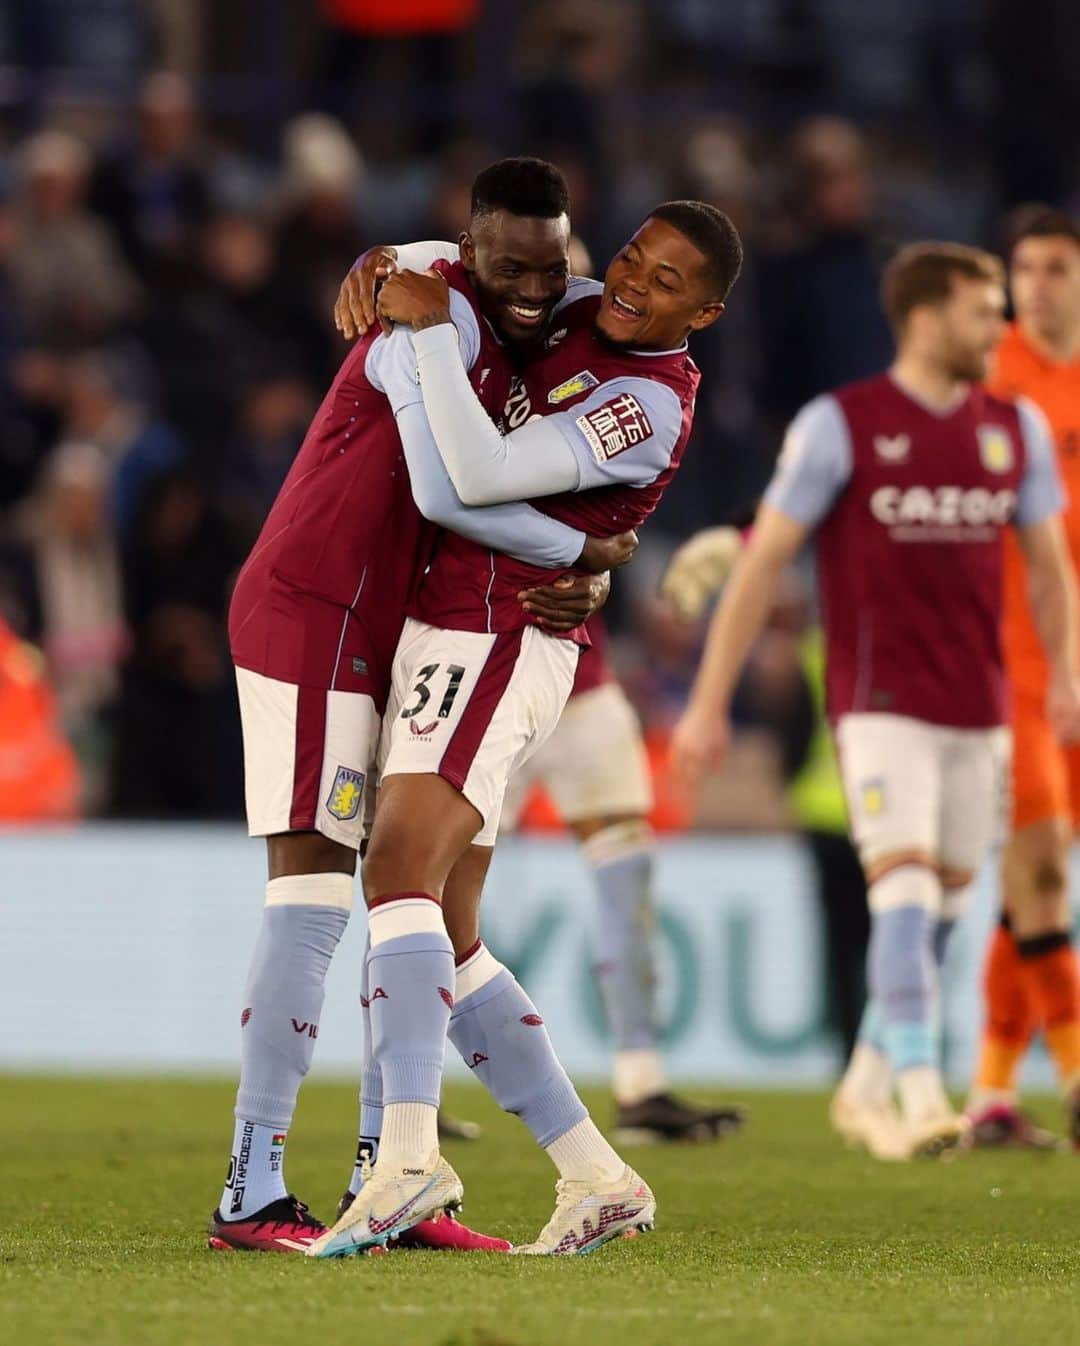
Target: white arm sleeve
(1041, 490)
(815, 463)
(624, 432)
(516, 529)
(391, 367)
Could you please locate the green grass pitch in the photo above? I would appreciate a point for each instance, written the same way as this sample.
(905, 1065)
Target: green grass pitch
(777, 1236)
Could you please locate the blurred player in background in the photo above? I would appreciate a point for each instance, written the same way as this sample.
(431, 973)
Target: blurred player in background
(910, 480)
(1031, 978)
(789, 696)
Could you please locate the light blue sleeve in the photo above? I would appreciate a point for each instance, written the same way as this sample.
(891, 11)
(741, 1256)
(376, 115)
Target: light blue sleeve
(516, 529)
(1041, 491)
(623, 434)
(815, 463)
(391, 363)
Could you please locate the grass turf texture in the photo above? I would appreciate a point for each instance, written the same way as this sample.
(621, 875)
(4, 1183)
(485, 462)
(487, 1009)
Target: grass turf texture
(777, 1236)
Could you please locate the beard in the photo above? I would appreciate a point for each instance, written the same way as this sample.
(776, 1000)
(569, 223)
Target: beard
(968, 366)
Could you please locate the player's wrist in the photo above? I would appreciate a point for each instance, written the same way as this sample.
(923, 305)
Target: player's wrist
(436, 318)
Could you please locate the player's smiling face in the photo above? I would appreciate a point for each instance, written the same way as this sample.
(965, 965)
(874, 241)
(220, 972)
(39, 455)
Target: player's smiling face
(656, 291)
(519, 266)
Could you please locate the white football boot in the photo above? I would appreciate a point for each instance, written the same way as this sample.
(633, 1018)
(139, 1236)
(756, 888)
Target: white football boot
(388, 1204)
(874, 1126)
(588, 1214)
(938, 1137)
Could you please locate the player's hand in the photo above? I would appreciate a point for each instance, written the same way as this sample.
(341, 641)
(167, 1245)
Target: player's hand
(698, 569)
(417, 299)
(607, 553)
(354, 311)
(1063, 705)
(571, 600)
(699, 744)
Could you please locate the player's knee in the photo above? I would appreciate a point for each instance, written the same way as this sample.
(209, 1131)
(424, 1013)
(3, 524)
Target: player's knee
(877, 867)
(398, 861)
(293, 853)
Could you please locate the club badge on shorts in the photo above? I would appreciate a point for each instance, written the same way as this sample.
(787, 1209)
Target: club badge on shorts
(873, 798)
(346, 794)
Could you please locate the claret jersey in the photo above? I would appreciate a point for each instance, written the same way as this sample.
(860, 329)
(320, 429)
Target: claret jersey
(627, 417)
(910, 505)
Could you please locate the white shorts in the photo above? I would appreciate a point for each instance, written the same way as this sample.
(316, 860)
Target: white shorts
(911, 785)
(594, 765)
(471, 707)
(309, 758)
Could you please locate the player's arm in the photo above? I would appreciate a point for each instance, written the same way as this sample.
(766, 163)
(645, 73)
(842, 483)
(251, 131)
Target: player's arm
(813, 469)
(1052, 590)
(624, 432)
(516, 529)
(354, 308)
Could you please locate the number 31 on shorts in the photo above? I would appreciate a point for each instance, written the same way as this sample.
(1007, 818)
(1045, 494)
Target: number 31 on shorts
(422, 690)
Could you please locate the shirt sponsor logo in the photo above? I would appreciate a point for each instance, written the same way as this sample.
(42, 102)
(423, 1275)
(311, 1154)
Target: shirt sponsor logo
(892, 448)
(580, 383)
(518, 406)
(345, 794)
(995, 448)
(942, 513)
(615, 426)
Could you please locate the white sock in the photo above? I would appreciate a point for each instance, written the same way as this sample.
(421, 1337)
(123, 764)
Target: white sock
(583, 1155)
(922, 1094)
(638, 1073)
(410, 1137)
(868, 1078)
(256, 1170)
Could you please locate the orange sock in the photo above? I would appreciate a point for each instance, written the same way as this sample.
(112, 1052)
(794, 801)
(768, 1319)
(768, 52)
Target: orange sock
(1051, 974)
(1010, 1016)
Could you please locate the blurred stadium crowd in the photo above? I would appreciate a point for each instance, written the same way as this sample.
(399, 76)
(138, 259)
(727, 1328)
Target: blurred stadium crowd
(183, 185)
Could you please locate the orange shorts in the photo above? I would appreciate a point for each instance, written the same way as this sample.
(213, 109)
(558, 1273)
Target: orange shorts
(1045, 774)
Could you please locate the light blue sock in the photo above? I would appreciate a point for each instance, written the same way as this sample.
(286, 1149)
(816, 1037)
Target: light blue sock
(303, 921)
(410, 994)
(502, 1039)
(871, 1027)
(256, 1170)
(901, 973)
(625, 946)
(371, 1110)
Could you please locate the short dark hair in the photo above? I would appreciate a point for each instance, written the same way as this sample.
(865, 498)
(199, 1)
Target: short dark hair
(522, 186)
(1038, 221)
(923, 273)
(714, 236)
